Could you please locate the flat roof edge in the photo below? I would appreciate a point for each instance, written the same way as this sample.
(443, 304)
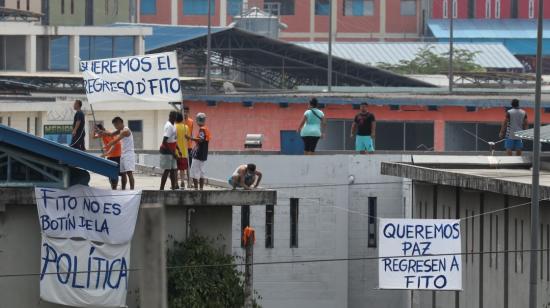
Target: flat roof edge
(449, 178)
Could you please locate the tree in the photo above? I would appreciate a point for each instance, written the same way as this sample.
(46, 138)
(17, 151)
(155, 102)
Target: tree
(427, 61)
(193, 282)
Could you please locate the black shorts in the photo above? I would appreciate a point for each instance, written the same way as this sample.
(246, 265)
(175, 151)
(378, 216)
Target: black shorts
(116, 160)
(310, 143)
(78, 144)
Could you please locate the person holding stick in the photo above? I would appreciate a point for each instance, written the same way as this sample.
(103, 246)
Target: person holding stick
(112, 153)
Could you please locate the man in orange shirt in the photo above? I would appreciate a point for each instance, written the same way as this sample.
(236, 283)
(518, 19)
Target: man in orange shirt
(111, 153)
(200, 153)
(189, 123)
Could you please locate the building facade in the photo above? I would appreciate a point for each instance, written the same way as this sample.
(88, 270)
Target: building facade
(487, 9)
(354, 20)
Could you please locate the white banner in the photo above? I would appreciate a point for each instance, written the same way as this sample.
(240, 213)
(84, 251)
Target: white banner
(99, 215)
(420, 254)
(84, 274)
(151, 78)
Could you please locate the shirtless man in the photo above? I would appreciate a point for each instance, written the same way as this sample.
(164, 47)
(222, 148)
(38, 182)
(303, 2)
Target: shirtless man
(246, 176)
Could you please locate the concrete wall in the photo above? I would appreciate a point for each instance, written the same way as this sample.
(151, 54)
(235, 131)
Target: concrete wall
(20, 249)
(493, 280)
(332, 224)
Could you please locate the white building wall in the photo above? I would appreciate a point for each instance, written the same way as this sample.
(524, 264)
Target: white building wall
(332, 225)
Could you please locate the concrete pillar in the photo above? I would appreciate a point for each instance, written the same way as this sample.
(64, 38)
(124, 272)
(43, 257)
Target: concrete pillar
(74, 54)
(30, 56)
(174, 12)
(312, 20)
(153, 284)
(223, 13)
(382, 19)
(139, 45)
(439, 135)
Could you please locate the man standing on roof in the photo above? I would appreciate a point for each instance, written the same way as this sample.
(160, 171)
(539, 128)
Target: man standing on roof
(127, 164)
(515, 121)
(169, 151)
(112, 153)
(189, 123)
(364, 129)
(200, 152)
(78, 133)
(182, 139)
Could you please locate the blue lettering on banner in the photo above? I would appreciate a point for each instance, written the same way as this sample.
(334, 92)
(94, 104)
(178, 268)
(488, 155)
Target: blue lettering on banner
(421, 267)
(106, 273)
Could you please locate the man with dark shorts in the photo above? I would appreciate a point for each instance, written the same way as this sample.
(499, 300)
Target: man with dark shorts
(364, 129)
(78, 133)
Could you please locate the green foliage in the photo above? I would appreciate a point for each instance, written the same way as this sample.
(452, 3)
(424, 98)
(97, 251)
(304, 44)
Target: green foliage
(196, 285)
(427, 61)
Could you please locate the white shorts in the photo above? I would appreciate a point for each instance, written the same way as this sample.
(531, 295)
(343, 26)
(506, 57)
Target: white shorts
(197, 169)
(127, 163)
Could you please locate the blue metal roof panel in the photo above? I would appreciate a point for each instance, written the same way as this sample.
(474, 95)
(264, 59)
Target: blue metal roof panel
(489, 55)
(58, 152)
(165, 35)
(488, 28)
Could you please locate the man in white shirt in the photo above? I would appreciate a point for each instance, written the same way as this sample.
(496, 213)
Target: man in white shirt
(168, 157)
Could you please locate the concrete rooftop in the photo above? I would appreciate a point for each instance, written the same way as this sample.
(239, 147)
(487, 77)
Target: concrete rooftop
(504, 175)
(213, 195)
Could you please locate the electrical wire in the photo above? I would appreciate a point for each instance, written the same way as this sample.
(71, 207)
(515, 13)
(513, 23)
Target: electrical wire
(179, 267)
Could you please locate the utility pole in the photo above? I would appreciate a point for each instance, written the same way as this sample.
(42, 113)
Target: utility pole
(329, 65)
(451, 47)
(249, 236)
(208, 47)
(536, 168)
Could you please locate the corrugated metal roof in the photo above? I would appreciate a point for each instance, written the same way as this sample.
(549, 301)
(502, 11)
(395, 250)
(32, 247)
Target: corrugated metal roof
(529, 134)
(490, 55)
(488, 28)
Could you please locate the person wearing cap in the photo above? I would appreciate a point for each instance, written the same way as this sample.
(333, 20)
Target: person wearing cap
(515, 120)
(364, 130)
(246, 176)
(200, 151)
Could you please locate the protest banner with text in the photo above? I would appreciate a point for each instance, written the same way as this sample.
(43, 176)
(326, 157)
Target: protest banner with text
(150, 78)
(420, 254)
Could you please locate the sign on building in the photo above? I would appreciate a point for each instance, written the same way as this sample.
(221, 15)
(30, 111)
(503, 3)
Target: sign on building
(148, 78)
(58, 133)
(85, 253)
(420, 254)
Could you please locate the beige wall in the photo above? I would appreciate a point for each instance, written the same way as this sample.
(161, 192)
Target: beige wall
(34, 5)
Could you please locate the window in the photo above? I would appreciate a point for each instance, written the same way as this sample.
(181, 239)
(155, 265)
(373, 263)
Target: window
(471, 8)
(408, 8)
(28, 5)
(445, 8)
(531, 9)
(497, 8)
(9, 121)
(2, 3)
(234, 7)
(198, 7)
(322, 7)
(106, 7)
(100, 47)
(358, 8)
(62, 7)
(1, 118)
(487, 8)
(455, 9)
(52, 53)
(294, 203)
(269, 228)
(372, 222)
(136, 126)
(279, 7)
(148, 7)
(72, 7)
(516, 244)
(36, 127)
(18, 4)
(245, 220)
(514, 9)
(12, 53)
(28, 125)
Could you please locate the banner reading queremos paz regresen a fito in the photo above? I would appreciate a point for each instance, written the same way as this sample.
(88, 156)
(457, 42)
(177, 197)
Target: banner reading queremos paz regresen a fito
(149, 78)
(422, 254)
(85, 252)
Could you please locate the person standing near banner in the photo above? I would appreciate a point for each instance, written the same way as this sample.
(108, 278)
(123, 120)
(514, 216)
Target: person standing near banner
(200, 152)
(189, 122)
(169, 151)
(111, 153)
(127, 164)
(182, 136)
(78, 132)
